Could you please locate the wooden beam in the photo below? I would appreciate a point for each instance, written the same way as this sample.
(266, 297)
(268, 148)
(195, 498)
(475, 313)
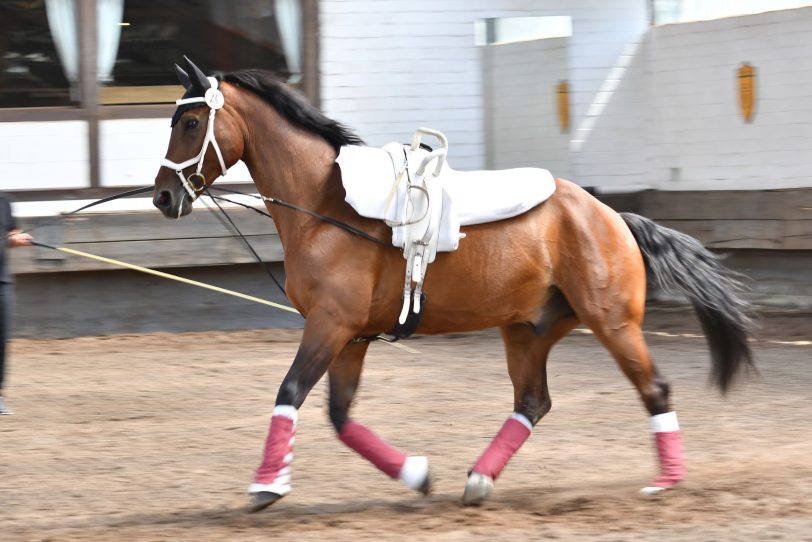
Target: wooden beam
(88, 82)
(791, 204)
(147, 239)
(747, 234)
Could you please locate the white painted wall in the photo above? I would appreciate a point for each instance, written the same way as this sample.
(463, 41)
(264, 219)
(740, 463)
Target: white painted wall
(131, 151)
(35, 155)
(390, 66)
(521, 111)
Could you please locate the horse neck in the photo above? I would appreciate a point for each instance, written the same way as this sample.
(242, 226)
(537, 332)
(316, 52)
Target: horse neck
(290, 164)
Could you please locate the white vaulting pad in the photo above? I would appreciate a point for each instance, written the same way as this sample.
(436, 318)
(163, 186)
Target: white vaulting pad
(471, 197)
(368, 174)
(487, 196)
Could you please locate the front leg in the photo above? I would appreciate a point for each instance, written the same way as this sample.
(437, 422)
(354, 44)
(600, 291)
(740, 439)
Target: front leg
(345, 373)
(321, 344)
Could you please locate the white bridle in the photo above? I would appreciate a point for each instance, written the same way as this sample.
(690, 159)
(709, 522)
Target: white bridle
(215, 100)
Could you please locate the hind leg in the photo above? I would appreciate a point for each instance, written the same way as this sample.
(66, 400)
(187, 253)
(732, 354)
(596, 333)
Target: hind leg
(629, 349)
(527, 366)
(604, 280)
(345, 374)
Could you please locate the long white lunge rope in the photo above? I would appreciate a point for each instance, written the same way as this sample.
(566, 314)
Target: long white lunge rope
(191, 282)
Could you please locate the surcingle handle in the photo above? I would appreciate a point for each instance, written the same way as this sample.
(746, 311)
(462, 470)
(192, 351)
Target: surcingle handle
(439, 155)
(420, 132)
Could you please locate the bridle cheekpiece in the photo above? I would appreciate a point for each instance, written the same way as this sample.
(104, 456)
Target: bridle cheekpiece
(195, 183)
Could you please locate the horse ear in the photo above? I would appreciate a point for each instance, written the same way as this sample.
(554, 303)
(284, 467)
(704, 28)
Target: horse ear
(183, 77)
(200, 82)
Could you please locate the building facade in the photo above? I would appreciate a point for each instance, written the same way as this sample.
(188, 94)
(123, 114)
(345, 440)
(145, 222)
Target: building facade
(702, 125)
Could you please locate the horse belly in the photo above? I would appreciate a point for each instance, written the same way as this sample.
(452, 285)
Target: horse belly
(487, 283)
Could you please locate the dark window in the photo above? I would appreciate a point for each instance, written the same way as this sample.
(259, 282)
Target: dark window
(136, 44)
(31, 72)
(218, 35)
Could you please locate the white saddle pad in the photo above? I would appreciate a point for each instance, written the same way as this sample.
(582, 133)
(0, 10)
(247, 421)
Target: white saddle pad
(472, 197)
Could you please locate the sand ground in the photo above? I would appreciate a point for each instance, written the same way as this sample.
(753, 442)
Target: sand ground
(155, 437)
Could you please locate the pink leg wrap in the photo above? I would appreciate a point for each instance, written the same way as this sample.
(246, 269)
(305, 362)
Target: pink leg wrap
(278, 452)
(509, 439)
(669, 450)
(371, 447)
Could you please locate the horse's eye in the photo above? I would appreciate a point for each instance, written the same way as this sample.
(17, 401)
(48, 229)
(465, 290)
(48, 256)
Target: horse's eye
(192, 123)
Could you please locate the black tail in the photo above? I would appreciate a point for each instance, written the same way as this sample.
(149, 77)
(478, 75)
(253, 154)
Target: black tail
(680, 264)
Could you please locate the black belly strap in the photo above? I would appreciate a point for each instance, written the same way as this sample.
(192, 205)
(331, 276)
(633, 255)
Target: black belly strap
(400, 331)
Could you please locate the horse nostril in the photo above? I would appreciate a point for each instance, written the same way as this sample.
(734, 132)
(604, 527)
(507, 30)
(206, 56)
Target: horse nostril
(163, 200)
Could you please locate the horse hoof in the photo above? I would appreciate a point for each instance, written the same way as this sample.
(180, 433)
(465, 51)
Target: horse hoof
(477, 489)
(262, 500)
(415, 474)
(426, 486)
(653, 491)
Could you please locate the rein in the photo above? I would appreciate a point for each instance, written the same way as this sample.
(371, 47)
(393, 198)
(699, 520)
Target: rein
(230, 225)
(190, 282)
(133, 192)
(275, 201)
(195, 184)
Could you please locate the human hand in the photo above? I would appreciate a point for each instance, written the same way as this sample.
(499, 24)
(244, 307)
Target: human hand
(17, 238)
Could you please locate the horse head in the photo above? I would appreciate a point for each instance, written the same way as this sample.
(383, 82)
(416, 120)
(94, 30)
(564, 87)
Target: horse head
(200, 149)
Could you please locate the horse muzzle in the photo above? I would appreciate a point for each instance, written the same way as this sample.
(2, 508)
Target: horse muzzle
(173, 203)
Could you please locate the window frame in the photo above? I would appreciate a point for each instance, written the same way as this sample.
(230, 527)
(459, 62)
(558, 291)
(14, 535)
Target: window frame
(93, 112)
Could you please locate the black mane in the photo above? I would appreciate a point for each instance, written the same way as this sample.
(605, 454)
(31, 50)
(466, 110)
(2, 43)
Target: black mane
(292, 106)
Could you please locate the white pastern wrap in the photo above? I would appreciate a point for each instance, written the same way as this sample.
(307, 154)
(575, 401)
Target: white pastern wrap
(287, 411)
(522, 419)
(414, 471)
(664, 423)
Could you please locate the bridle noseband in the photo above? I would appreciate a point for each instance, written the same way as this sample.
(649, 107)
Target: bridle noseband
(195, 183)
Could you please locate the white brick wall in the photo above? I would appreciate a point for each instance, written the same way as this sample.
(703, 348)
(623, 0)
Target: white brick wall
(693, 96)
(666, 116)
(389, 66)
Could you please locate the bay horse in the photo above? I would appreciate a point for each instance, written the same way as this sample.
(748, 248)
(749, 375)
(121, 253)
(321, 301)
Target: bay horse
(569, 260)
